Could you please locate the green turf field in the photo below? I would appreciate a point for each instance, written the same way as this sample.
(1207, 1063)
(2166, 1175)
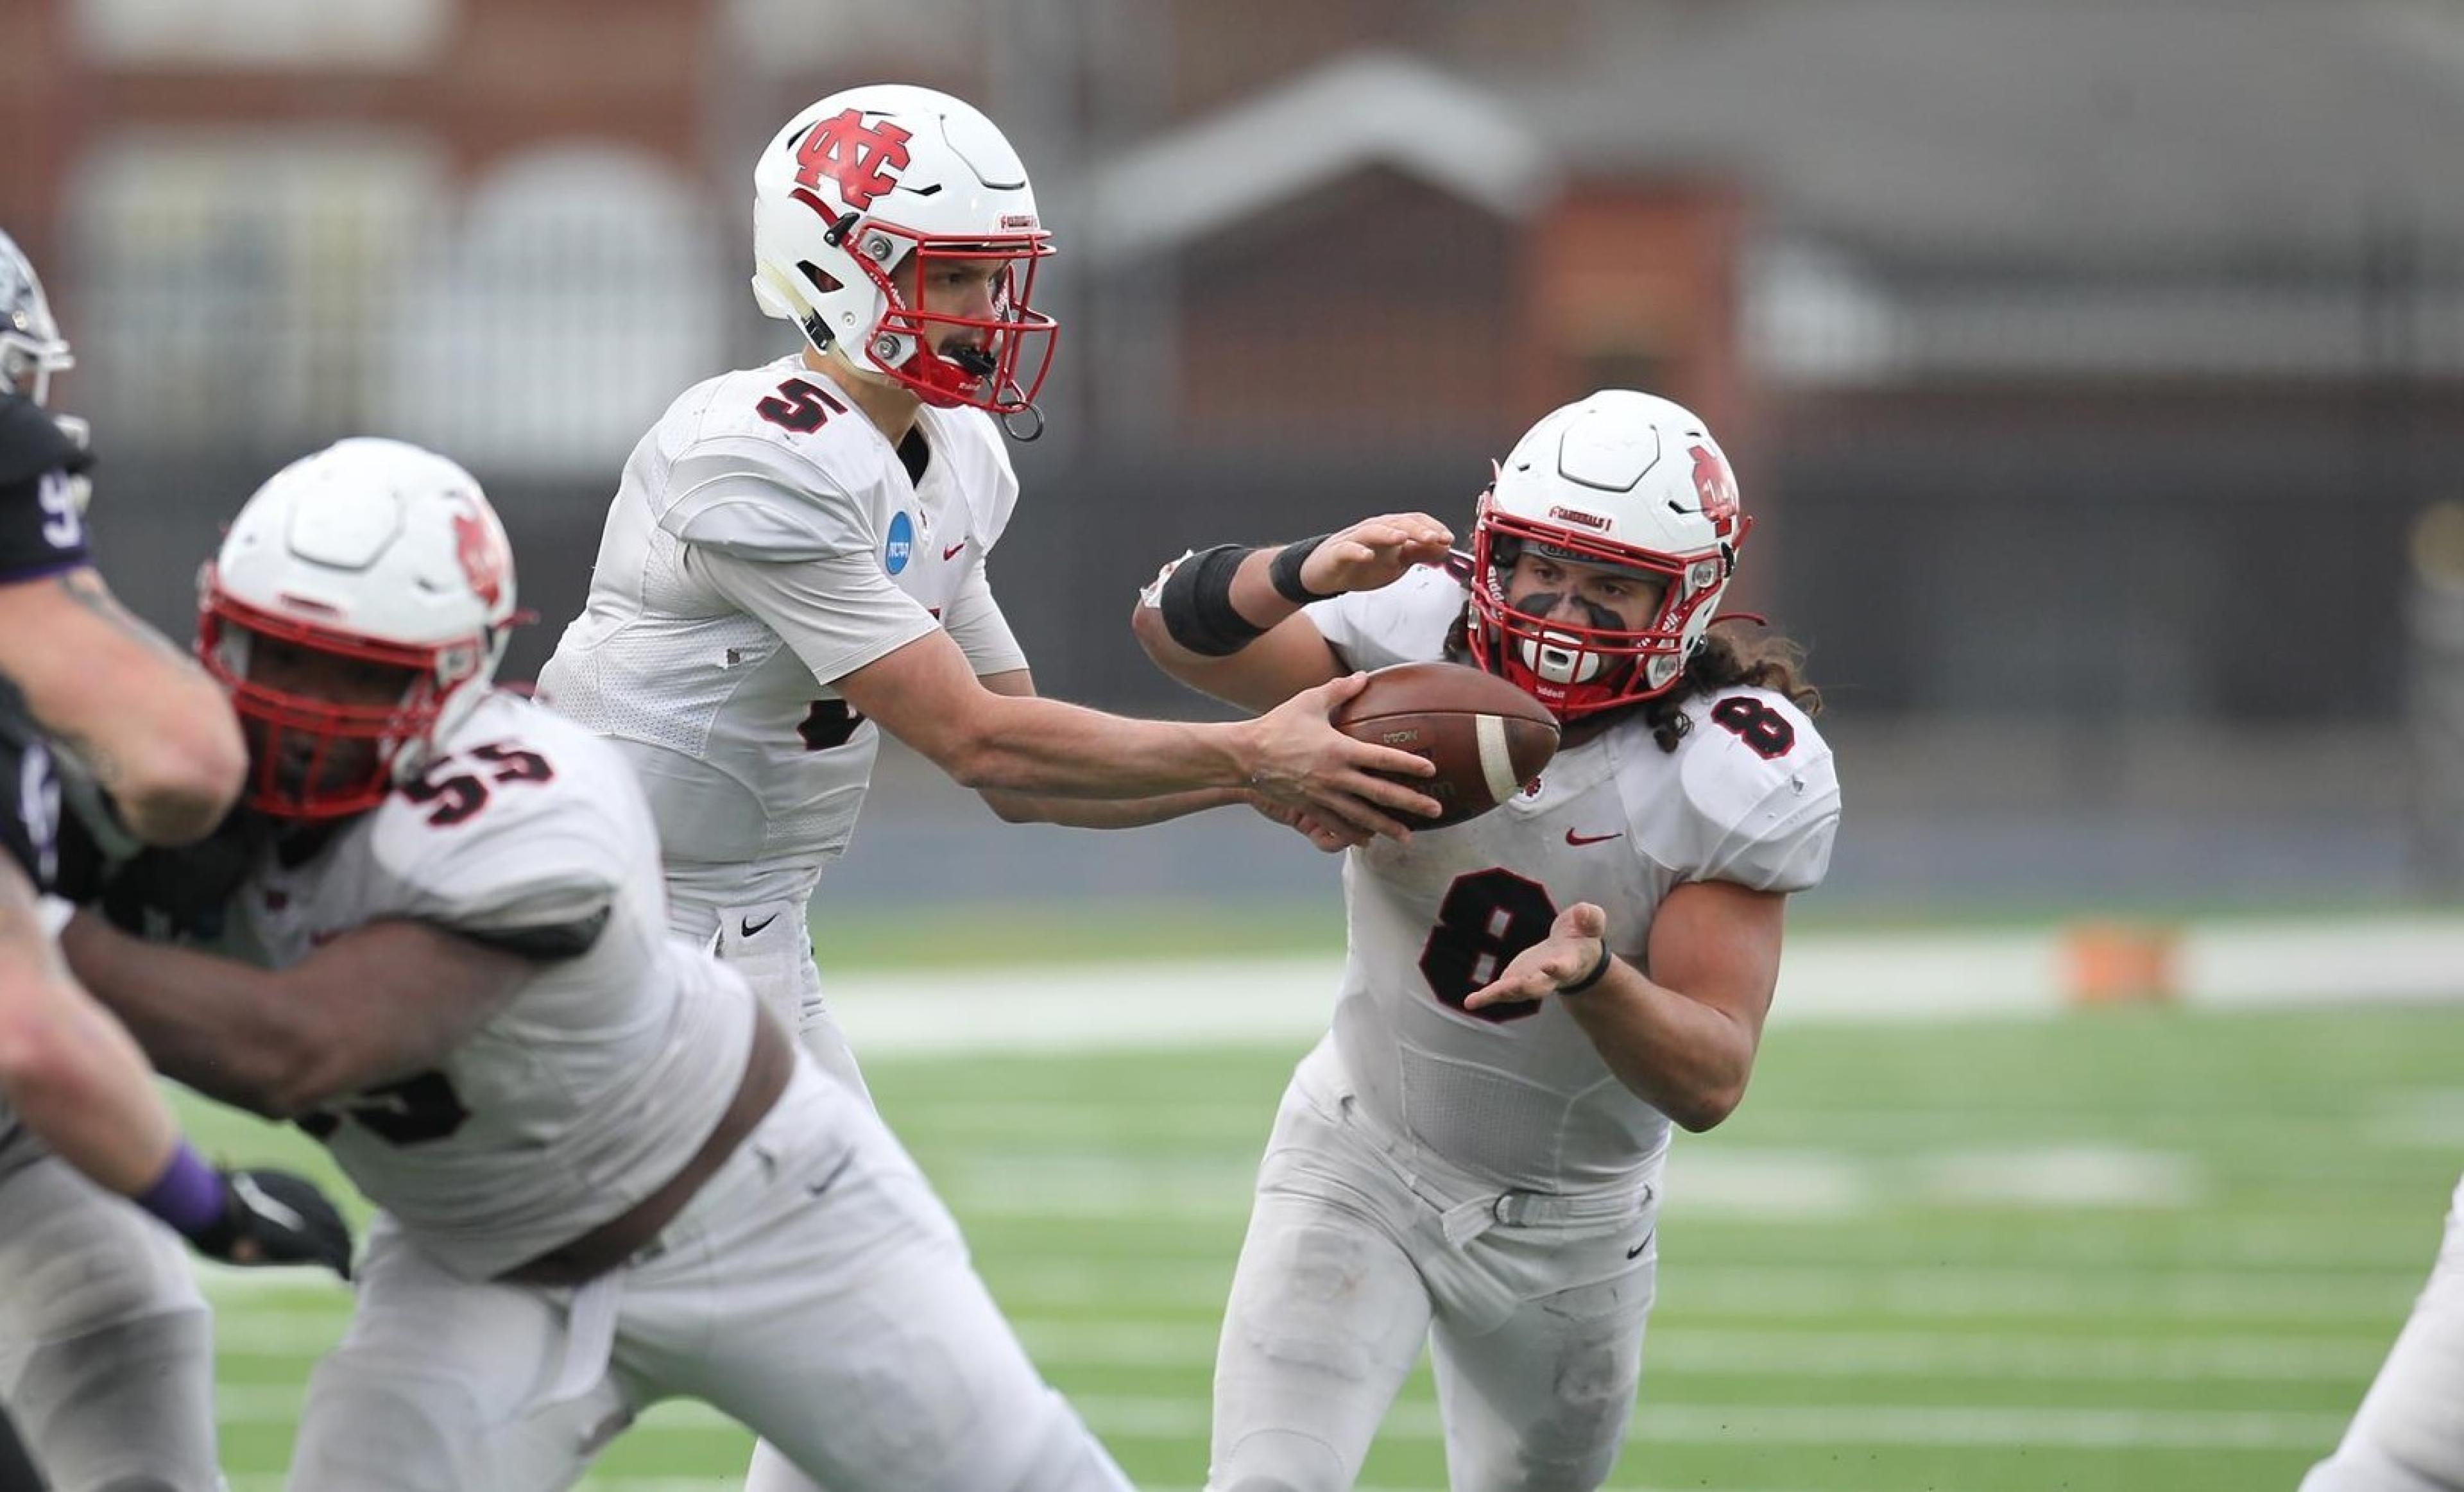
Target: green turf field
(2127, 1251)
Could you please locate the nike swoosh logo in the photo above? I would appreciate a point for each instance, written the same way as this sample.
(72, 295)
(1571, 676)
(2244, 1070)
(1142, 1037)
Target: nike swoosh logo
(816, 1188)
(748, 926)
(265, 1206)
(952, 552)
(1635, 1252)
(1573, 838)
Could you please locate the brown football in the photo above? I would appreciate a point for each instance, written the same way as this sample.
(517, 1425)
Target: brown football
(1487, 737)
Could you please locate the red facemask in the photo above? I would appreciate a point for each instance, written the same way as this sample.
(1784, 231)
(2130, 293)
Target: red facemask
(1012, 347)
(1573, 669)
(312, 758)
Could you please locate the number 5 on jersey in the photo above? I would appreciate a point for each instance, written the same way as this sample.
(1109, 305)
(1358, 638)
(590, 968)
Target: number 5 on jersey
(799, 406)
(459, 795)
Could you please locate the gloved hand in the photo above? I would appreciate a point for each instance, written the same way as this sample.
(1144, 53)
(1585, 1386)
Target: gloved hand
(276, 1218)
(182, 892)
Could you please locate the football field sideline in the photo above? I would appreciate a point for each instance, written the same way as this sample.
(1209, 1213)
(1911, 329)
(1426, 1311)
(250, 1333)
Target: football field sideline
(1825, 975)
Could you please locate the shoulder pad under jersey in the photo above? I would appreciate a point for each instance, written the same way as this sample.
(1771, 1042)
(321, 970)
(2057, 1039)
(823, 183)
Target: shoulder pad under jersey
(527, 821)
(774, 464)
(1760, 797)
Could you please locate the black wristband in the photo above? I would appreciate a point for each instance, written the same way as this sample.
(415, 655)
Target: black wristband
(1599, 972)
(1196, 604)
(1285, 571)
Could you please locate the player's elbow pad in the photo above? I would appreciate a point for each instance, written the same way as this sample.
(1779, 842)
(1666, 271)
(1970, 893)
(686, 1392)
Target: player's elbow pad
(1196, 600)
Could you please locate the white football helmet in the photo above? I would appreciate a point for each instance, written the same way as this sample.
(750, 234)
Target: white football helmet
(32, 349)
(873, 179)
(1623, 479)
(371, 550)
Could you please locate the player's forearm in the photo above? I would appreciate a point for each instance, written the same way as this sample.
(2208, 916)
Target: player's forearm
(81, 1085)
(1688, 1060)
(222, 1027)
(1091, 813)
(1290, 657)
(69, 1072)
(145, 722)
(1044, 748)
(1277, 662)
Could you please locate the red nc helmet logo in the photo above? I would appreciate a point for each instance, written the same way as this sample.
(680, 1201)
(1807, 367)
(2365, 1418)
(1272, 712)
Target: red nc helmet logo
(859, 159)
(1715, 490)
(483, 559)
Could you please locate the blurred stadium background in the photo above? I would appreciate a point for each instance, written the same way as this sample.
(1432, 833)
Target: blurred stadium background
(2093, 368)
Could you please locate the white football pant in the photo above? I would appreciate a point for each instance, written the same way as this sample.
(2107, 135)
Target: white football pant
(815, 1291)
(1355, 1256)
(106, 1349)
(771, 945)
(2409, 1434)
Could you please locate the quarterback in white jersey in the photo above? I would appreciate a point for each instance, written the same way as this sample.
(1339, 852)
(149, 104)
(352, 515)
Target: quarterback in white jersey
(794, 559)
(2409, 1434)
(606, 1176)
(1472, 1155)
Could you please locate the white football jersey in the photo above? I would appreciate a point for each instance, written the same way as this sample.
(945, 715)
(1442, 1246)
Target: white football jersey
(605, 1071)
(1518, 1096)
(756, 771)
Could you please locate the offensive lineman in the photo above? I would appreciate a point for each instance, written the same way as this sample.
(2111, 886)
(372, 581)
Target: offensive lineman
(105, 1345)
(607, 1177)
(1472, 1155)
(795, 561)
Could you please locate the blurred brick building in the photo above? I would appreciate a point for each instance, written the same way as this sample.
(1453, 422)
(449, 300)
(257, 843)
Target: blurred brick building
(2044, 333)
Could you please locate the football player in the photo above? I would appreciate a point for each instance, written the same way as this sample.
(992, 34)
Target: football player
(1472, 1155)
(795, 561)
(105, 1345)
(607, 1177)
(2408, 1435)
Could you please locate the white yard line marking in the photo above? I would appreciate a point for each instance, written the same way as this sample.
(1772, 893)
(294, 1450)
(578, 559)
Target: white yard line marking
(1143, 1417)
(291, 1337)
(1961, 1290)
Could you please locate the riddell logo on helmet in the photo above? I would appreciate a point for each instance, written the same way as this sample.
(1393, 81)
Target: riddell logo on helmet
(1017, 220)
(1589, 520)
(859, 159)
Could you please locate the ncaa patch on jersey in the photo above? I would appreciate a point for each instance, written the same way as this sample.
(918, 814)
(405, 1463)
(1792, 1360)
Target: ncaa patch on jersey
(901, 547)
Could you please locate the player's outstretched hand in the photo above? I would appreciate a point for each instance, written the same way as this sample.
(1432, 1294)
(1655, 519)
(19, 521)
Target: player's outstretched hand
(1332, 839)
(1569, 951)
(1300, 761)
(1375, 553)
(276, 1217)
